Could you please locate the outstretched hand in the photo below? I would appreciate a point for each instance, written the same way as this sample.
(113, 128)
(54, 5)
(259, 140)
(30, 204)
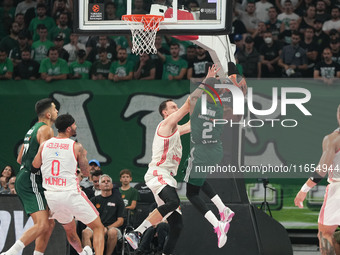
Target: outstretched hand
(212, 71)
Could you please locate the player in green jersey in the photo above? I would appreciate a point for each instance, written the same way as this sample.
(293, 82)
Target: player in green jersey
(29, 185)
(207, 150)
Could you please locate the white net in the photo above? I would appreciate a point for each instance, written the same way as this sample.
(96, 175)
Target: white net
(143, 29)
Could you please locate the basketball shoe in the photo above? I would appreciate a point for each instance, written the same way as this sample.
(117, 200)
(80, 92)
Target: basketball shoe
(133, 239)
(221, 230)
(226, 215)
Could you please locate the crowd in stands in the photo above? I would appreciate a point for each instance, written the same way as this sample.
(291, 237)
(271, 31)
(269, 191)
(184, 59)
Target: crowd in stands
(274, 38)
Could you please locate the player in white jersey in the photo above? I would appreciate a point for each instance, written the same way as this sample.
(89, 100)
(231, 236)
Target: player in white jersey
(58, 158)
(329, 216)
(166, 156)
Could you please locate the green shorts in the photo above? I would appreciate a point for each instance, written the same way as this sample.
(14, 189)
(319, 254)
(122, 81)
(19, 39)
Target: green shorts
(200, 159)
(30, 191)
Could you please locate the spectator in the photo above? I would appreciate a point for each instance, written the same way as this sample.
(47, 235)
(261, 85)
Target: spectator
(23, 6)
(11, 185)
(281, 4)
(334, 35)
(110, 11)
(59, 43)
(6, 174)
(301, 11)
(11, 41)
(27, 69)
(307, 20)
(335, 48)
(73, 47)
(108, 45)
(249, 59)
(239, 42)
(139, 7)
(197, 68)
(286, 36)
(155, 235)
(94, 166)
(157, 60)
(321, 13)
(145, 68)
(269, 56)
(287, 16)
(122, 69)
(6, 16)
(53, 67)
(248, 17)
(19, 18)
(293, 59)
(93, 190)
(310, 46)
(62, 28)
(273, 24)
(261, 10)
(15, 53)
(80, 69)
(60, 6)
(95, 179)
(129, 194)
(110, 207)
(334, 23)
(258, 35)
(190, 53)
(6, 66)
(41, 18)
(100, 69)
(174, 67)
(41, 47)
(327, 70)
(320, 37)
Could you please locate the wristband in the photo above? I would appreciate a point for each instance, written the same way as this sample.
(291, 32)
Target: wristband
(316, 178)
(305, 188)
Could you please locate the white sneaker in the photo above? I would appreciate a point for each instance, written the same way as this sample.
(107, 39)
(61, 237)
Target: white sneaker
(227, 215)
(133, 239)
(88, 250)
(220, 230)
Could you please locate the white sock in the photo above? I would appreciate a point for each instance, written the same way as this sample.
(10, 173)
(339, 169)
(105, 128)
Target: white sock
(144, 226)
(16, 248)
(211, 218)
(38, 253)
(83, 253)
(218, 202)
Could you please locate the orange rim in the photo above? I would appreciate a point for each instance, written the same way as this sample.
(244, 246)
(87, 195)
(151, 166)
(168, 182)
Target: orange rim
(139, 17)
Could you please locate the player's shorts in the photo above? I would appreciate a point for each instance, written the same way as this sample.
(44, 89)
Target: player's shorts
(330, 210)
(65, 205)
(201, 158)
(156, 179)
(30, 191)
(119, 233)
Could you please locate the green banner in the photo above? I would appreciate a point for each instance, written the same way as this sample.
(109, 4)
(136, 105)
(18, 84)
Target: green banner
(116, 124)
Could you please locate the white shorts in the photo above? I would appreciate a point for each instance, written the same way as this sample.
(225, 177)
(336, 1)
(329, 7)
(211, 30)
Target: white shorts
(66, 205)
(330, 210)
(156, 179)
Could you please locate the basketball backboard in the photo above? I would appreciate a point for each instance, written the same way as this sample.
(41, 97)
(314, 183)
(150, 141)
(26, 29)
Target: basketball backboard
(197, 17)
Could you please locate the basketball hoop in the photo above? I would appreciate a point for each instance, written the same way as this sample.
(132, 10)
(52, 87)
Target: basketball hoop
(143, 29)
